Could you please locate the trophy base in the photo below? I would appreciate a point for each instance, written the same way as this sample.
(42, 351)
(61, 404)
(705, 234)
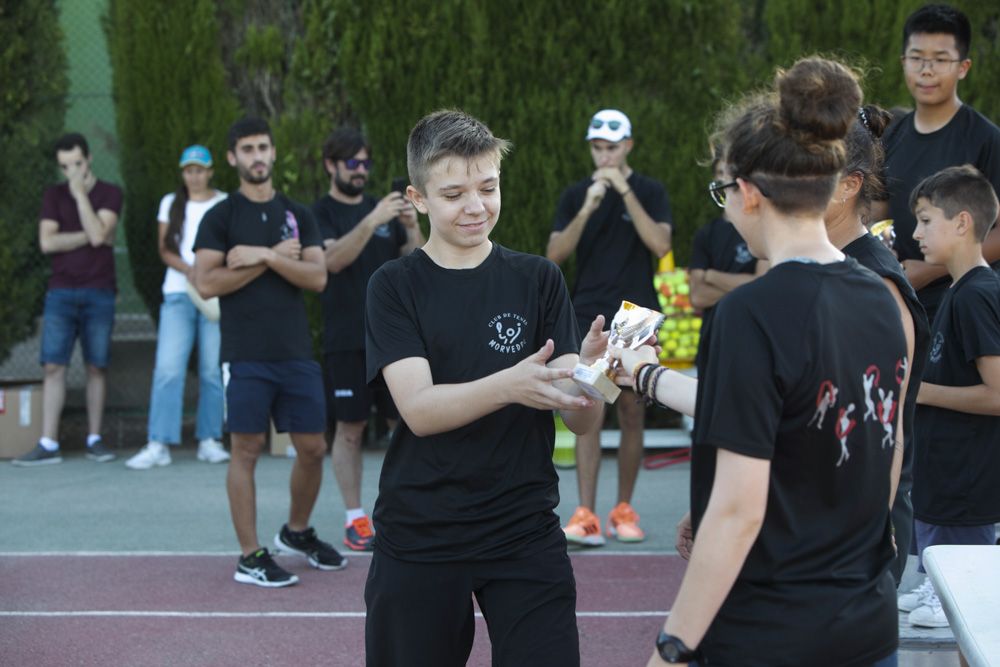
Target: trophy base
(596, 384)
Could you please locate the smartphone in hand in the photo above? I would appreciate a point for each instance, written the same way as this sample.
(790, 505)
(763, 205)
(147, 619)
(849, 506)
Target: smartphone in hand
(399, 184)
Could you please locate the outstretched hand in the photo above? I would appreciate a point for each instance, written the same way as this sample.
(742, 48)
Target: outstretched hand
(531, 383)
(595, 343)
(644, 354)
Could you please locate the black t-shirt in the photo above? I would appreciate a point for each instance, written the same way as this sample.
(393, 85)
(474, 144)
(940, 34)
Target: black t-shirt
(784, 378)
(874, 256)
(956, 472)
(719, 246)
(344, 296)
(265, 320)
(968, 138)
(612, 262)
(486, 490)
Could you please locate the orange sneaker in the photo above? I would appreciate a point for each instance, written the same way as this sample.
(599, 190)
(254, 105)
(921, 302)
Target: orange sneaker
(623, 524)
(584, 528)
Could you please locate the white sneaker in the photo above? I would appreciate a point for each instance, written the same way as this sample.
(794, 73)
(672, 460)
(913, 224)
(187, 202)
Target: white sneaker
(917, 597)
(153, 454)
(931, 615)
(211, 451)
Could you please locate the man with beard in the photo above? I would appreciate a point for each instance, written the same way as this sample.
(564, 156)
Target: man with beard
(257, 251)
(360, 234)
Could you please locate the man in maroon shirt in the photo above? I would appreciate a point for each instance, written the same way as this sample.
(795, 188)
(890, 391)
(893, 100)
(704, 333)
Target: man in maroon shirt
(76, 229)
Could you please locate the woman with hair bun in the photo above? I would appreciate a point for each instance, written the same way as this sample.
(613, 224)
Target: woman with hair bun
(788, 536)
(846, 218)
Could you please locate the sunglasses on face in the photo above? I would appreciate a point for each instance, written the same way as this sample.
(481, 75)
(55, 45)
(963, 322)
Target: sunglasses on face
(613, 125)
(354, 163)
(717, 190)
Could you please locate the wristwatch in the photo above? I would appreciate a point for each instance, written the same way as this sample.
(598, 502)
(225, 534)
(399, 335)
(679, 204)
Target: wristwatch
(673, 650)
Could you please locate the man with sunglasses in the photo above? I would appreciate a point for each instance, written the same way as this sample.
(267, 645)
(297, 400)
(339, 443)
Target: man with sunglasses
(941, 132)
(617, 221)
(360, 234)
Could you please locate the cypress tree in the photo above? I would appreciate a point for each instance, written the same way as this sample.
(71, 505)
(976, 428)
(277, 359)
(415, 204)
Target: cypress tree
(32, 110)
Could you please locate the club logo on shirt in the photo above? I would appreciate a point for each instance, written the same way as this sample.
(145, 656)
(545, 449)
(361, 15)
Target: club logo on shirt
(937, 347)
(507, 333)
(382, 231)
(743, 255)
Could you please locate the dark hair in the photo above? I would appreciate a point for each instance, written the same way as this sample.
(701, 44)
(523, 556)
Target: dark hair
(940, 20)
(865, 154)
(175, 220)
(68, 142)
(958, 189)
(248, 126)
(790, 142)
(449, 133)
(343, 143)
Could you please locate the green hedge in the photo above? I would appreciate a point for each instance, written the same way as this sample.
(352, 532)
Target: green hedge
(533, 71)
(170, 91)
(32, 112)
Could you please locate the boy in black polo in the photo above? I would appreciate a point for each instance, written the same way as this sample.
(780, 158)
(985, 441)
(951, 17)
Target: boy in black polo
(258, 250)
(476, 344)
(956, 468)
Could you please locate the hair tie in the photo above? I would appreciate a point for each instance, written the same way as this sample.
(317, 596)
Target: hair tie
(863, 115)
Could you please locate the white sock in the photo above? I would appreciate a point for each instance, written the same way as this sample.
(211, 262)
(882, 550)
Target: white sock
(354, 514)
(48, 444)
(92, 438)
(155, 444)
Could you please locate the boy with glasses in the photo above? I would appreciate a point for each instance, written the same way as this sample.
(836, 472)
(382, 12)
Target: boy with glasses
(618, 223)
(940, 132)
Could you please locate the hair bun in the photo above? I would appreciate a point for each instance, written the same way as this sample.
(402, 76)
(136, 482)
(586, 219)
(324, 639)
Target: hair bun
(875, 119)
(818, 98)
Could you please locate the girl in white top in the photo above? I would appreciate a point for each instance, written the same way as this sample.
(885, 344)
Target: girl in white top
(184, 317)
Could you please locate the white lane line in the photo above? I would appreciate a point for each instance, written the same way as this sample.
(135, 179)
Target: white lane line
(233, 554)
(268, 614)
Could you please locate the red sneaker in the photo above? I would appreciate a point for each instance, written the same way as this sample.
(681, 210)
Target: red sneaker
(584, 528)
(623, 524)
(359, 534)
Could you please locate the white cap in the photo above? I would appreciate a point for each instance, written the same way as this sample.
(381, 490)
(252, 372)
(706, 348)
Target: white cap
(610, 125)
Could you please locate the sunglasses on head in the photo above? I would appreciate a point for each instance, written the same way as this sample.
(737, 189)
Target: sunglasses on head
(717, 190)
(598, 123)
(354, 163)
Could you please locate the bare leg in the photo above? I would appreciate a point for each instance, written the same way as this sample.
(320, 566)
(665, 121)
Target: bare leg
(96, 393)
(307, 475)
(588, 465)
(347, 461)
(631, 418)
(53, 398)
(246, 449)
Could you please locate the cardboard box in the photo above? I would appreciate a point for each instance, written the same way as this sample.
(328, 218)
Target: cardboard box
(20, 416)
(280, 443)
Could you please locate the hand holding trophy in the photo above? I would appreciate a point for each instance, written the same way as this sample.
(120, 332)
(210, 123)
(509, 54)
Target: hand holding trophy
(631, 327)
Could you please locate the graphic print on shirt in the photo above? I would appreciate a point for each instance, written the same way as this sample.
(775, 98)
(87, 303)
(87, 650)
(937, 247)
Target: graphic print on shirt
(886, 411)
(743, 255)
(507, 333)
(845, 424)
(870, 380)
(937, 347)
(290, 228)
(825, 399)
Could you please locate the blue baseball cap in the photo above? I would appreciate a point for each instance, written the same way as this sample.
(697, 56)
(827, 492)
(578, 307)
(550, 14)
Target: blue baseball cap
(196, 154)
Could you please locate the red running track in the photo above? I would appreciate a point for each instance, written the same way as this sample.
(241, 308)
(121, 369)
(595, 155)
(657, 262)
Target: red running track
(186, 610)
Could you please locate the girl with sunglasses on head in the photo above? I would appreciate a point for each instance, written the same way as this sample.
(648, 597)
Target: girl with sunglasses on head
(182, 322)
(788, 536)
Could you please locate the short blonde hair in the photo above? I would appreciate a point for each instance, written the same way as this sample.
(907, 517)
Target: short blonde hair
(449, 133)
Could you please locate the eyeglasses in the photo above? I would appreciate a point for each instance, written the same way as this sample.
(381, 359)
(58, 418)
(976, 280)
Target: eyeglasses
(916, 63)
(598, 123)
(717, 190)
(354, 163)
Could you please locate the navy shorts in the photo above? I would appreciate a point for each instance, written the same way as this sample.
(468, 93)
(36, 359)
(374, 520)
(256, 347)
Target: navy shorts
(352, 396)
(290, 392)
(929, 535)
(86, 313)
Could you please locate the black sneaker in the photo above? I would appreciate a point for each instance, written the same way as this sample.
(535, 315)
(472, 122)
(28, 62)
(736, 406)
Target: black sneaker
(260, 569)
(39, 456)
(98, 452)
(321, 555)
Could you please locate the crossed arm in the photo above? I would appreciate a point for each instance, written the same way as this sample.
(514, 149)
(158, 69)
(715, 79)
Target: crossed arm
(217, 273)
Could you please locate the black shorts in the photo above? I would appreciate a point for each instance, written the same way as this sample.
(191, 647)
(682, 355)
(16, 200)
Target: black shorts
(352, 396)
(421, 613)
(289, 391)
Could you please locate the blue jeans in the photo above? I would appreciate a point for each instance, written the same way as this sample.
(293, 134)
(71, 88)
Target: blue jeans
(180, 323)
(86, 313)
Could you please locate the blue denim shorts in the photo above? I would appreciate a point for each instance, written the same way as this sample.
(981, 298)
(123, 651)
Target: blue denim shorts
(86, 313)
(290, 392)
